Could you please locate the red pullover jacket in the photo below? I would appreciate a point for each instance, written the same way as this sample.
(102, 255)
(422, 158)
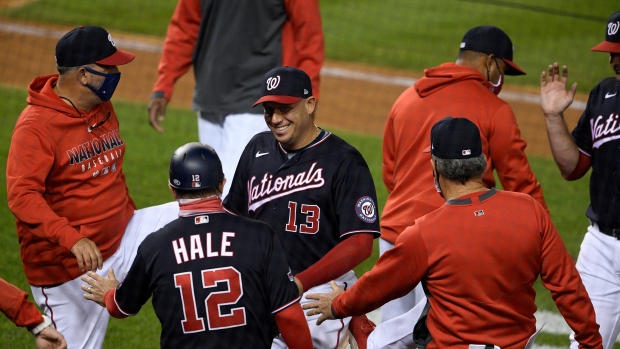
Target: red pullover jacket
(447, 90)
(15, 305)
(65, 183)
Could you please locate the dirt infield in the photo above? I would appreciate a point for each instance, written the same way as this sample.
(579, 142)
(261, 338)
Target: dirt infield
(346, 103)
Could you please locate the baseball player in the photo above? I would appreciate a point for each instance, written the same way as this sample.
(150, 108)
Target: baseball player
(230, 44)
(593, 143)
(66, 186)
(216, 278)
(476, 259)
(15, 305)
(313, 188)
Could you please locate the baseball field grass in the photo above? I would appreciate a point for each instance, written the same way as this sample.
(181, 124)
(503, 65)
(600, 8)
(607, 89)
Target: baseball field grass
(403, 34)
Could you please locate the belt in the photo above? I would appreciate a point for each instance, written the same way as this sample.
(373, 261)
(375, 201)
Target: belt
(615, 232)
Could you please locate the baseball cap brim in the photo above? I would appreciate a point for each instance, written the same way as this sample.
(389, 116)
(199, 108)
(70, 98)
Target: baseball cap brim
(513, 68)
(278, 99)
(607, 46)
(119, 57)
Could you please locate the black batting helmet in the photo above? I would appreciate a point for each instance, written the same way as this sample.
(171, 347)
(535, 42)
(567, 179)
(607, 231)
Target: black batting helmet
(195, 166)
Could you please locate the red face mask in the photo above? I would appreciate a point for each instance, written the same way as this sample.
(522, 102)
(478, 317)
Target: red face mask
(495, 88)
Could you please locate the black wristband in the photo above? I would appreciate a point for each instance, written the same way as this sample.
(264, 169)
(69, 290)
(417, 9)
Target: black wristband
(157, 94)
(334, 312)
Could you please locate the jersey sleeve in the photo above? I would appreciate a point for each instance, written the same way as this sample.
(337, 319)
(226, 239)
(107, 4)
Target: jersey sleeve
(507, 153)
(303, 44)
(28, 165)
(356, 198)
(237, 199)
(405, 264)
(135, 290)
(15, 305)
(176, 58)
(283, 291)
(582, 133)
(561, 278)
(388, 162)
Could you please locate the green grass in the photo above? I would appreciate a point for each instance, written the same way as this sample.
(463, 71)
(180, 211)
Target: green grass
(403, 34)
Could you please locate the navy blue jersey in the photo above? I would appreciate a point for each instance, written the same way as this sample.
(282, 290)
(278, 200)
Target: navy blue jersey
(216, 280)
(313, 200)
(598, 135)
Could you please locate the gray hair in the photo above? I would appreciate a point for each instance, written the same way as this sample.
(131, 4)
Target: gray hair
(461, 170)
(65, 70)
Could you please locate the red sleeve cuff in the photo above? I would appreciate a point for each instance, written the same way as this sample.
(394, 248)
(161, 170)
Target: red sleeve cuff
(110, 304)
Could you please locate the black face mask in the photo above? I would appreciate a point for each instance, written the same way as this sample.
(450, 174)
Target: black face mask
(106, 90)
(436, 180)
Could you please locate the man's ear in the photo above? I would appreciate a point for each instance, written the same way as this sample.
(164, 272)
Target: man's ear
(220, 186)
(310, 105)
(81, 76)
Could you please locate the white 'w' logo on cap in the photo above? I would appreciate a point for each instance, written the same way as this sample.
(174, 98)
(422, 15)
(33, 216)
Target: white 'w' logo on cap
(612, 28)
(273, 82)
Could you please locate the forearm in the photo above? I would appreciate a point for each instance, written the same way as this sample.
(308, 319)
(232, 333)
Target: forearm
(111, 306)
(303, 44)
(15, 305)
(565, 151)
(345, 256)
(293, 327)
(178, 46)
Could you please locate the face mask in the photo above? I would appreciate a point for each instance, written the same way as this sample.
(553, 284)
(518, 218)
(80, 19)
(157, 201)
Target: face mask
(106, 90)
(436, 182)
(495, 88)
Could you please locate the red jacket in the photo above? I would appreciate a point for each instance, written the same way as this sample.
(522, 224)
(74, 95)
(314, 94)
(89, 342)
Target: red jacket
(15, 305)
(447, 90)
(65, 183)
(479, 256)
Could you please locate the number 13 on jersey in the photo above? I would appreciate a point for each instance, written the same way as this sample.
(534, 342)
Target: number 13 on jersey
(312, 214)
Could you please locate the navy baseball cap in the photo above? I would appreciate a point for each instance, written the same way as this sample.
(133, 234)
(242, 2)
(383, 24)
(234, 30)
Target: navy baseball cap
(612, 37)
(492, 40)
(285, 85)
(89, 44)
(455, 138)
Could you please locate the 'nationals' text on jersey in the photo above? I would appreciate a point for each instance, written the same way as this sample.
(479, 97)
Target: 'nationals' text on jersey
(313, 200)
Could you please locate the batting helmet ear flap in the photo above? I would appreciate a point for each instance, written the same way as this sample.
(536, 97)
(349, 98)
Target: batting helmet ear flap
(195, 166)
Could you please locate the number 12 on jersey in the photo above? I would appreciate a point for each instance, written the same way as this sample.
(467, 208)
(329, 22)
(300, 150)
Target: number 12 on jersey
(214, 301)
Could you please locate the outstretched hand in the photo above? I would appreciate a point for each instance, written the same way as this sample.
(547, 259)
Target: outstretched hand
(323, 304)
(554, 98)
(98, 286)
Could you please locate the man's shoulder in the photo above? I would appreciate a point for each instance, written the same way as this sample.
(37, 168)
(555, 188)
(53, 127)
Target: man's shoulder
(609, 84)
(261, 139)
(339, 149)
(222, 221)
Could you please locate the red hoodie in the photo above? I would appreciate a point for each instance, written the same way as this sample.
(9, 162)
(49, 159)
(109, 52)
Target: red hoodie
(15, 305)
(447, 90)
(65, 183)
